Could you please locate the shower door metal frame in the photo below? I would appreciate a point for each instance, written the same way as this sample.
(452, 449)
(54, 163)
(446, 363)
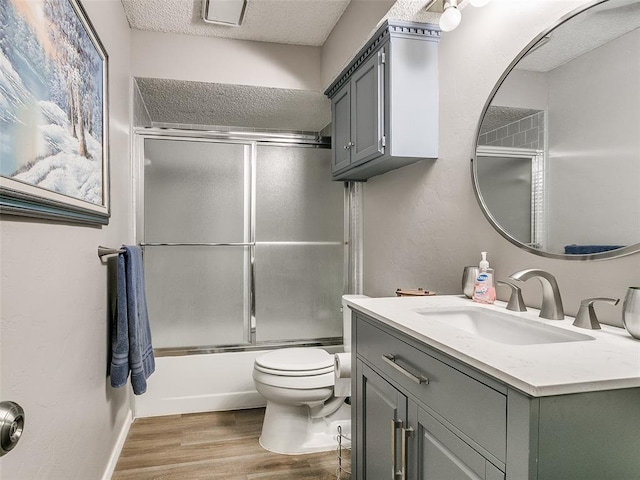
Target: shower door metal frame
(536, 157)
(250, 140)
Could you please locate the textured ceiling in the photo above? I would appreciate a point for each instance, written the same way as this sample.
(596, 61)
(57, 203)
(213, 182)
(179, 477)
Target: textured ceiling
(583, 33)
(171, 101)
(297, 22)
(498, 116)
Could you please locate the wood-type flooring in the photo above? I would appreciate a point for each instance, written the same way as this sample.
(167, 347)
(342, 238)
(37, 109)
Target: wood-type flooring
(216, 445)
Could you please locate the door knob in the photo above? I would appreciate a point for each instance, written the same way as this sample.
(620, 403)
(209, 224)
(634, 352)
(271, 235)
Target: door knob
(11, 426)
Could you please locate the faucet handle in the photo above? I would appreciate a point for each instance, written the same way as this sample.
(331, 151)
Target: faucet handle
(586, 317)
(516, 302)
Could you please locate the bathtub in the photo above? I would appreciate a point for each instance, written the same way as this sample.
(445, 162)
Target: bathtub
(202, 383)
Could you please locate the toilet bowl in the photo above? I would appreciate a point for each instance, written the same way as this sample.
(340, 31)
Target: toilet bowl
(303, 414)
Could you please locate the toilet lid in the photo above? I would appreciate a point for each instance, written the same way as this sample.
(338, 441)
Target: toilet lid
(312, 361)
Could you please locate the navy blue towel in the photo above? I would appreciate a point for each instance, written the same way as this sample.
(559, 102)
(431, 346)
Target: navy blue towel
(588, 249)
(131, 349)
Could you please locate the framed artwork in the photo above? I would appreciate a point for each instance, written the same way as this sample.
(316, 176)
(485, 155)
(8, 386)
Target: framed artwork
(54, 158)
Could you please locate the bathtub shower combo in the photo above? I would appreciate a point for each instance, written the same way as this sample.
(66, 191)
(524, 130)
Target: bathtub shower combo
(244, 250)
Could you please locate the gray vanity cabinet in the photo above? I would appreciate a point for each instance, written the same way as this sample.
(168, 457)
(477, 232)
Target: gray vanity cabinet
(396, 435)
(384, 104)
(426, 442)
(426, 416)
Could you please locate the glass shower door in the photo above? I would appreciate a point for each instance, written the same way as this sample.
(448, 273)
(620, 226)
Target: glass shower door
(299, 258)
(197, 236)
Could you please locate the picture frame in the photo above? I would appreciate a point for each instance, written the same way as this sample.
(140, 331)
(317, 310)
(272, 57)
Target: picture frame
(54, 135)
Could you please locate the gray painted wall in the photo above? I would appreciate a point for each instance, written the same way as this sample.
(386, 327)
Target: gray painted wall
(594, 148)
(357, 23)
(422, 223)
(54, 310)
(220, 60)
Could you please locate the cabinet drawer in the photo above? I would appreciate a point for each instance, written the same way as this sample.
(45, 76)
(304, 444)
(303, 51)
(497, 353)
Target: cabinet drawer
(477, 410)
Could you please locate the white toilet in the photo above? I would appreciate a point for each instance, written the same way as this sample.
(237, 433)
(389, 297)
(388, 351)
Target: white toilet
(302, 414)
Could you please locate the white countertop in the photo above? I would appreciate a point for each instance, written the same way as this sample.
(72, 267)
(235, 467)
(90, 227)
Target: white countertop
(611, 361)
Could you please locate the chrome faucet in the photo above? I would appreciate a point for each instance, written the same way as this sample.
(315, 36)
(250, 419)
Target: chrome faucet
(551, 301)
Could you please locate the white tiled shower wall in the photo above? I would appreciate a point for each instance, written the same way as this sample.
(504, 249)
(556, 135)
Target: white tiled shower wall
(528, 132)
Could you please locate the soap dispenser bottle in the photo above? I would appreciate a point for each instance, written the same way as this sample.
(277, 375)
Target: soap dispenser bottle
(484, 289)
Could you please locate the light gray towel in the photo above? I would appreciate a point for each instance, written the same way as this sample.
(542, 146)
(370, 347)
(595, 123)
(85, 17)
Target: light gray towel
(131, 336)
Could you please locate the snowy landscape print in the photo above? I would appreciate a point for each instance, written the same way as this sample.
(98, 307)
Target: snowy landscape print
(51, 100)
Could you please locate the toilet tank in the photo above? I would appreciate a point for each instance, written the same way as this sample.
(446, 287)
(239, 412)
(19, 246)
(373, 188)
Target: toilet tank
(346, 321)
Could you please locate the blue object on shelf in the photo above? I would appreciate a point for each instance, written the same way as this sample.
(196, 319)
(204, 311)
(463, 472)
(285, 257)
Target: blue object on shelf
(589, 249)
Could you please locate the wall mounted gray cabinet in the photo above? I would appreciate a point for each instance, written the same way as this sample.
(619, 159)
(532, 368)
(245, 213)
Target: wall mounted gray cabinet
(425, 416)
(384, 104)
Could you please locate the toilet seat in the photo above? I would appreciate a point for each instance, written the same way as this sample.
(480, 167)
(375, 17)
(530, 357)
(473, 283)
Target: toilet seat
(295, 368)
(296, 362)
(294, 383)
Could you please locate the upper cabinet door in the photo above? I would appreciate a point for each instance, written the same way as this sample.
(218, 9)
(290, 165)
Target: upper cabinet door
(367, 110)
(340, 129)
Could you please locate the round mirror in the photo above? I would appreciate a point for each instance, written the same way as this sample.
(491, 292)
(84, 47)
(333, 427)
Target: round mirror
(557, 161)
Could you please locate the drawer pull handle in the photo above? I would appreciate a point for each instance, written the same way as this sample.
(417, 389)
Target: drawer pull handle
(391, 360)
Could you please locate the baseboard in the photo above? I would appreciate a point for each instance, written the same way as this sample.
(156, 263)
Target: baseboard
(117, 448)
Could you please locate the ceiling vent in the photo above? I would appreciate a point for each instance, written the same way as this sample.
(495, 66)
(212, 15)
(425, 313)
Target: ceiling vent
(224, 12)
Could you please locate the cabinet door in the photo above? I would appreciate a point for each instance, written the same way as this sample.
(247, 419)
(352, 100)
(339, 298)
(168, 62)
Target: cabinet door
(367, 110)
(381, 413)
(436, 453)
(341, 129)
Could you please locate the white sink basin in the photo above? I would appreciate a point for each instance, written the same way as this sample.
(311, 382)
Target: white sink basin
(501, 327)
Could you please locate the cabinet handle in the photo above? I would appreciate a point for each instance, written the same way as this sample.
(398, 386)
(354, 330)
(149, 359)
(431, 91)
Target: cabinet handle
(391, 360)
(406, 434)
(395, 424)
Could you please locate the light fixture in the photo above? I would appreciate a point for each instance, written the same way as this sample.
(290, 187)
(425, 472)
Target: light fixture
(451, 16)
(224, 12)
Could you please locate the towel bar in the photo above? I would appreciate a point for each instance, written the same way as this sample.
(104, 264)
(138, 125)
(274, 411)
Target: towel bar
(103, 251)
(198, 244)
